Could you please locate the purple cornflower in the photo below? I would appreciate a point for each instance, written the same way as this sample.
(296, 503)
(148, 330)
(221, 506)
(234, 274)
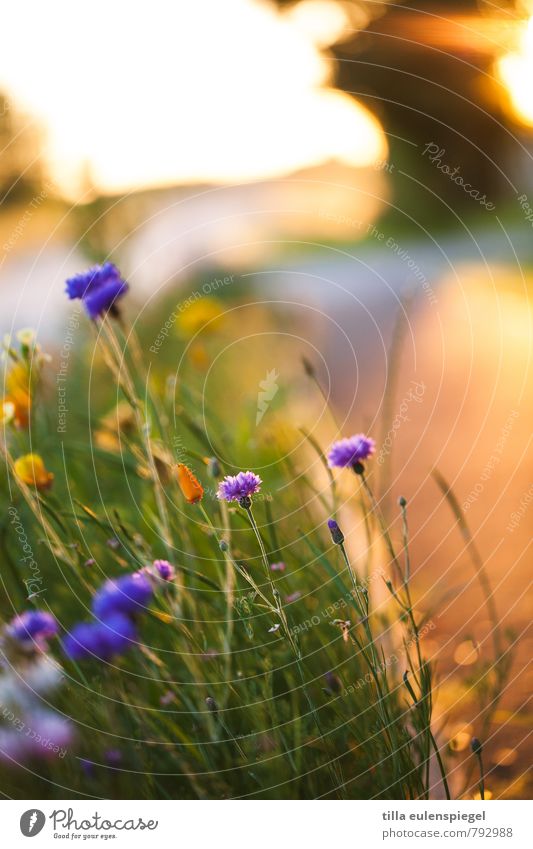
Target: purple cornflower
(348, 452)
(101, 640)
(239, 487)
(99, 288)
(128, 594)
(33, 625)
(163, 569)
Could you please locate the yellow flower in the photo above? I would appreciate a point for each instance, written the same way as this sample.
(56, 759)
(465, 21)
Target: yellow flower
(204, 314)
(18, 393)
(191, 488)
(31, 470)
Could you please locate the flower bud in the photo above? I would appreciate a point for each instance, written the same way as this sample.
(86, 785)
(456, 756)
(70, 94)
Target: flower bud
(213, 467)
(476, 746)
(336, 534)
(190, 486)
(212, 705)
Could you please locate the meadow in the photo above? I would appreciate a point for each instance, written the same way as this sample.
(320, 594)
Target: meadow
(202, 599)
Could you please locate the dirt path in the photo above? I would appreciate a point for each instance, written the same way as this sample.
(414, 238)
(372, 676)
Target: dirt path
(463, 403)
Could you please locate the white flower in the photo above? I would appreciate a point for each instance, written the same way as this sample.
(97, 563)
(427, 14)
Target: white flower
(43, 675)
(26, 336)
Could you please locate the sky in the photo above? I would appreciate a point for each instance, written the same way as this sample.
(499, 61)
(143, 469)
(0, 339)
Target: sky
(142, 94)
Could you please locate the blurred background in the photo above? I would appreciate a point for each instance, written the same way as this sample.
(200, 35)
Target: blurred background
(361, 173)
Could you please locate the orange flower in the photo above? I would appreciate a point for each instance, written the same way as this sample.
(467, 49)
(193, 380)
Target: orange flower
(31, 470)
(191, 488)
(198, 355)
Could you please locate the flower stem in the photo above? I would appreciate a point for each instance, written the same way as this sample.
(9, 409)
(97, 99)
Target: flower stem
(333, 766)
(481, 775)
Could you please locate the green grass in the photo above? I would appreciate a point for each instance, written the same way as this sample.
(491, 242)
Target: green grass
(316, 708)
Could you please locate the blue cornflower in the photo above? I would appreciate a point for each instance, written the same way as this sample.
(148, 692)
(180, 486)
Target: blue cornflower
(348, 452)
(128, 594)
(99, 288)
(32, 626)
(239, 487)
(101, 640)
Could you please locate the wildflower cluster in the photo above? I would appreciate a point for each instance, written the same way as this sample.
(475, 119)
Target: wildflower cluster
(21, 380)
(222, 597)
(29, 728)
(116, 606)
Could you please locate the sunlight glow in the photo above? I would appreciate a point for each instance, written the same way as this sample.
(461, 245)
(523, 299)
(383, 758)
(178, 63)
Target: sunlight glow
(516, 72)
(134, 95)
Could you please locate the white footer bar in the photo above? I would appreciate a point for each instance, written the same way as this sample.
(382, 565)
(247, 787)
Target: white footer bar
(267, 824)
